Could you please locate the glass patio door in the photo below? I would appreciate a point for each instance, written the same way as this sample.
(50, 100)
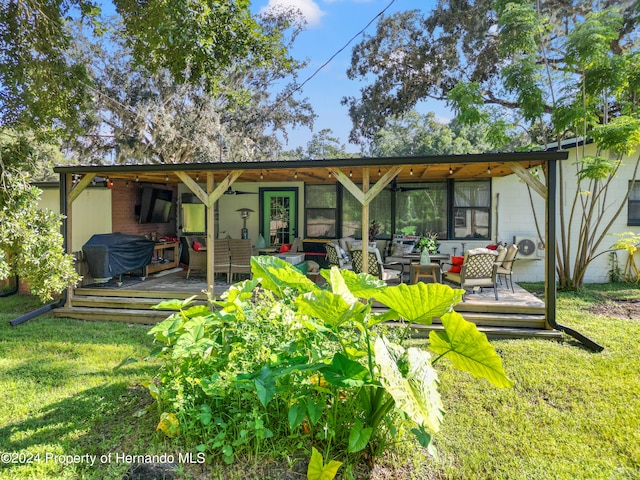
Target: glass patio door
(279, 213)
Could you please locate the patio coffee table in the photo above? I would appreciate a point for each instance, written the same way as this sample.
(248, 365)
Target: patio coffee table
(428, 272)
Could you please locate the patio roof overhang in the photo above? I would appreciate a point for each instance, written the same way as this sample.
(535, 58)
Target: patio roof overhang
(410, 169)
(351, 173)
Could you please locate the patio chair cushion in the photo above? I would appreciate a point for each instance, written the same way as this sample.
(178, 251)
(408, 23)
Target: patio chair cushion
(197, 246)
(285, 247)
(401, 249)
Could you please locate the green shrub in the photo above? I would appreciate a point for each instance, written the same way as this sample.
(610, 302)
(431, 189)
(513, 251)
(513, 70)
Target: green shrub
(310, 366)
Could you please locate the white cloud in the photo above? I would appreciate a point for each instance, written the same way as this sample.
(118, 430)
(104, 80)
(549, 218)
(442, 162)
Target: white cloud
(309, 9)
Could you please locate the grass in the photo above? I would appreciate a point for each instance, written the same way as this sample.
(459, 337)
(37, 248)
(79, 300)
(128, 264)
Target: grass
(572, 414)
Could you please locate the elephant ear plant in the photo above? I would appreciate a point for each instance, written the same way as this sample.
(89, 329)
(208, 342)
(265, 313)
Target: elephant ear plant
(320, 361)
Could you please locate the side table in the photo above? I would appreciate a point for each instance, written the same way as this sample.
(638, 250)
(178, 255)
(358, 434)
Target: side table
(429, 272)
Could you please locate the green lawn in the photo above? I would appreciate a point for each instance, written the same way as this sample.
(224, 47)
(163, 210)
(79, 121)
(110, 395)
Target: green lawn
(573, 414)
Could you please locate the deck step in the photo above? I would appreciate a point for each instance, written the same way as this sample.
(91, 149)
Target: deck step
(504, 319)
(118, 302)
(422, 331)
(146, 317)
(131, 293)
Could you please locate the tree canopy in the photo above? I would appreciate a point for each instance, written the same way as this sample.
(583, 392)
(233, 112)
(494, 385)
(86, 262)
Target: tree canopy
(520, 56)
(197, 41)
(145, 116)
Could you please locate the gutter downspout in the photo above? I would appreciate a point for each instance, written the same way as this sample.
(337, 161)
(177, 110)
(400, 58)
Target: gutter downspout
(550, 264)
(65, 241)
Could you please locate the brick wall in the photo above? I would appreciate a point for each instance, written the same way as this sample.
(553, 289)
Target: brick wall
(124, 199)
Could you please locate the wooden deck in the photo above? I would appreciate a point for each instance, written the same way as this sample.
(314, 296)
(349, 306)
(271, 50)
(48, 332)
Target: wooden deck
(514, 315)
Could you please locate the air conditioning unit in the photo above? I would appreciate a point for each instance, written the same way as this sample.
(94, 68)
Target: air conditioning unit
(527, 246)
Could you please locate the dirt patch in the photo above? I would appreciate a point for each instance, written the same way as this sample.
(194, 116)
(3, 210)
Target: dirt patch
(621, 304)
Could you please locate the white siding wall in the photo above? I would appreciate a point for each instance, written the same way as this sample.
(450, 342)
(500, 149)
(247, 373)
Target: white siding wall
(91, 212)
(515, 217)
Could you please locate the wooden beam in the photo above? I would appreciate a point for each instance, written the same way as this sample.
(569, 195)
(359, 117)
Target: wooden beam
(526, 176)
(385, 180)
(424, 173)
(209, 198)
(193, 186)
(79, 188)
(223, 187)
(348, 184)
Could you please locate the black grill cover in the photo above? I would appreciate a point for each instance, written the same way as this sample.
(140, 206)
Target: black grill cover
(110, 254)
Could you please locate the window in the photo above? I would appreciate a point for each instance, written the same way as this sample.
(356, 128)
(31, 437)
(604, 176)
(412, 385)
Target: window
(421, 208)
(379, 210)
(321, 211)
(471, 209)
(633, 207)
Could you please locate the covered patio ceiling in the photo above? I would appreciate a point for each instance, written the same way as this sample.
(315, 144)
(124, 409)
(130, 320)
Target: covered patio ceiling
(411, 169)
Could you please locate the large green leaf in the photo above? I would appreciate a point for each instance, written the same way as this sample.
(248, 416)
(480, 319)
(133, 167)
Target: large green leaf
(421, 302)
(362, 285)
(296, 415)
(339, 286)
(332, 309)
(174, 304)
(344, 372)
(277, 275)
(468, 349)
(407, 375)
(168, 329)
(317, 470)
(359, 437)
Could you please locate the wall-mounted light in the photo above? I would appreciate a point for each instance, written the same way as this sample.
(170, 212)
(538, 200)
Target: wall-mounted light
(379, 172)
(411, 171)
(489, 169)
(350, 173)
(261, 175)
(166, 178)
(295, 174)
(197, 177)
(450, 170)
(137, 178)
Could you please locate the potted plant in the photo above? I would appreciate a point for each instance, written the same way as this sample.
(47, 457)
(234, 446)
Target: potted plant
(427, 245)
(373, 231)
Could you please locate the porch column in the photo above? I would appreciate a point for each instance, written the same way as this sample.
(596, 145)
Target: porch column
(365, 221)
(210, 235)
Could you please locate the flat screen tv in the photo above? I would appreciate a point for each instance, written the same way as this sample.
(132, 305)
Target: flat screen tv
(155, 205)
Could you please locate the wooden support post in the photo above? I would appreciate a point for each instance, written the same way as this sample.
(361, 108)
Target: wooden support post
(210, 235)
(66, 202)
(365, 221)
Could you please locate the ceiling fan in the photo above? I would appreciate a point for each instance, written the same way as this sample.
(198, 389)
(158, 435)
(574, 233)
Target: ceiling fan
(230, 191)
(393, 186)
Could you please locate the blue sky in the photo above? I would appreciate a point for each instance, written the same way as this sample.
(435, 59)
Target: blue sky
(331, 23)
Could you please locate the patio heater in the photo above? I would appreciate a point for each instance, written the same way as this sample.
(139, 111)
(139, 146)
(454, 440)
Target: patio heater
(244, 213)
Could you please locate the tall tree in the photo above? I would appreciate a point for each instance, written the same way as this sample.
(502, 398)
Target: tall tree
(146, 116)
(42, 88)
(416, 134)
(30, 240)
(569, 65)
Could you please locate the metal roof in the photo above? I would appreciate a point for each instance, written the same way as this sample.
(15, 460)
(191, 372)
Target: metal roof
(414, 169)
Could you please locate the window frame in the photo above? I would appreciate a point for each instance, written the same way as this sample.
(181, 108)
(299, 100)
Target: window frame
(633, 186)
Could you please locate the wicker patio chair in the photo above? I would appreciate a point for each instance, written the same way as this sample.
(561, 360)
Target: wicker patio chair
(506, 267)
(195, 260)
(240, 251)
(335, 258)
(222, 258)
(479, 269)
(376, 267)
